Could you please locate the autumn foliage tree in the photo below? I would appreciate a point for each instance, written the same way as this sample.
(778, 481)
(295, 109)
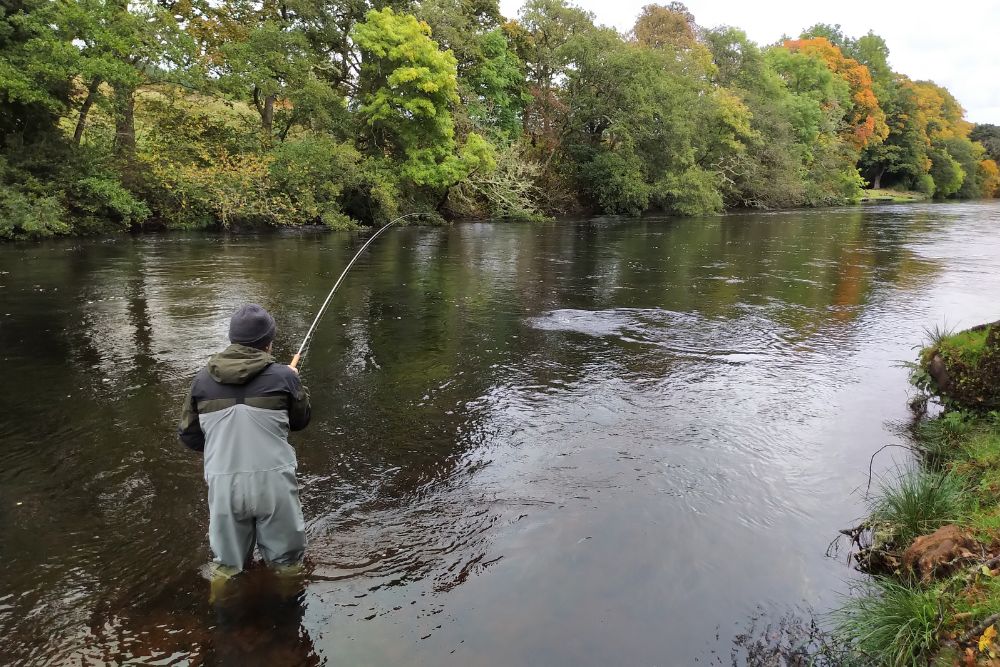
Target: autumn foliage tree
(866, 124)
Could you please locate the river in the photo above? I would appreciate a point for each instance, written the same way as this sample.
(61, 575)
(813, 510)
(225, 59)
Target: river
(586, 442)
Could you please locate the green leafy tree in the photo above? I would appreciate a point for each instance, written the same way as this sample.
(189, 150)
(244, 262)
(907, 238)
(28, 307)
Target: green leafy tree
(902, 158)
(490, 77)
(769, 172)
(968, 154)
(989, 136)
(641, 134)
(544, 36)
(37, 62)
(283, 58)
(408, 86)
(946, 171)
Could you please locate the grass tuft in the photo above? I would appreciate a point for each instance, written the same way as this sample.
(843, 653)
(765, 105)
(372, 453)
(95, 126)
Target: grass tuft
(937, 333)
(890, 623)
(918, 502)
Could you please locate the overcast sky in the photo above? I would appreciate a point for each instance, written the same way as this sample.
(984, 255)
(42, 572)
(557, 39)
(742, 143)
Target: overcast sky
(954, 43)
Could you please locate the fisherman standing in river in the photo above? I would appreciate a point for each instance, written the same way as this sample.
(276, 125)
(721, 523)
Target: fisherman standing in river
(239, 411)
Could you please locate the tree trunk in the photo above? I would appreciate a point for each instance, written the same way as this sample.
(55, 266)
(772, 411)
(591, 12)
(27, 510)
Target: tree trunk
(265, 107)
(125, 134)
(125, 123)
(267, 116)
(81, 123)
(877, 183)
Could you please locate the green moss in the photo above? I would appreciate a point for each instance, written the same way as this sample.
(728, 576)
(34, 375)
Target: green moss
(966, 347)
(963, 368)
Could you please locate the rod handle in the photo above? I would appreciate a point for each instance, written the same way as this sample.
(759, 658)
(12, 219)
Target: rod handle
(295, 361)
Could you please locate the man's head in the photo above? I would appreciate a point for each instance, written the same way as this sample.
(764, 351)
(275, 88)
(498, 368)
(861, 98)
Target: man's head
(252, 326)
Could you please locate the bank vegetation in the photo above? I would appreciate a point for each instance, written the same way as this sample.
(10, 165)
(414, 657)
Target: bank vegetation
(932, 537)
(146, 114)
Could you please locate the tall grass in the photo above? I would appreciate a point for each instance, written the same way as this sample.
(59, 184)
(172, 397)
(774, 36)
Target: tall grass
(890, 623)
(937, 333)
(939, 438)
(917, 502)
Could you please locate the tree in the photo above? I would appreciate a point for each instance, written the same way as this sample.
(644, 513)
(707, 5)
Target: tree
(990, 175)
(947, 173)
(407, 87)
(284, 58)
(37, 62)
(968, 155)
(866, 119)
(491, 85)
(937, 111)
(902, 158)
(543, 37)
(673, 27)
(989, 136)
(641, 133)
(769, 172)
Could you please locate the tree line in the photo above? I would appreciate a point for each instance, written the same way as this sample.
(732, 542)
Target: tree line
(123, 114)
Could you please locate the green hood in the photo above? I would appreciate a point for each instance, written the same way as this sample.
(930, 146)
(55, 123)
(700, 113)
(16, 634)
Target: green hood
(238, 364)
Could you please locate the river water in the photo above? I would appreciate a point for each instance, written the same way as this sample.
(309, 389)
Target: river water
(580, 443)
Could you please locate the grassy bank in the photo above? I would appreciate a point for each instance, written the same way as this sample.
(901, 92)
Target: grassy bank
(932, 544)
(872, 196)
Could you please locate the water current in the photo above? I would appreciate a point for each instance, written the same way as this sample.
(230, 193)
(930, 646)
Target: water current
(594, 442)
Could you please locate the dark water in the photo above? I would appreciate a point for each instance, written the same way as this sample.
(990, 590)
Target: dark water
(588, 443)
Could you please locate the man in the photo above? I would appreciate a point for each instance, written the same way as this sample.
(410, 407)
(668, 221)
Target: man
(239, 412)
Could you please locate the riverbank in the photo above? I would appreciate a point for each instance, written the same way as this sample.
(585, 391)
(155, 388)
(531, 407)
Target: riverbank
(932, 537)
(887, 196)
(87, 228)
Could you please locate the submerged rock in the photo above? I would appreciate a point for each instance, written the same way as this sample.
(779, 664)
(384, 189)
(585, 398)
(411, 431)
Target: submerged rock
(938, 554)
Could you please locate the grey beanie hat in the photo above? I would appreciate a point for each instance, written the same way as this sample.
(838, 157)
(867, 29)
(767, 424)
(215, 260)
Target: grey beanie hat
(253, 326)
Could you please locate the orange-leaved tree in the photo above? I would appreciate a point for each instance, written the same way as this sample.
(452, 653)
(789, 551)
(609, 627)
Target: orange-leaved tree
(866, 120)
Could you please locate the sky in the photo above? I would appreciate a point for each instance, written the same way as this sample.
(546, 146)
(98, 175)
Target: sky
(956, 44)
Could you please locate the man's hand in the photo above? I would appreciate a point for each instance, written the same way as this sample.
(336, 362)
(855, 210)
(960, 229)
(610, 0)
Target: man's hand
(294, 369)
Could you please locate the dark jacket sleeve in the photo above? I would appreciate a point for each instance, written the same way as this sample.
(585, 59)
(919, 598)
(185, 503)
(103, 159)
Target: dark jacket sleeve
(299, 409)
(189, 429)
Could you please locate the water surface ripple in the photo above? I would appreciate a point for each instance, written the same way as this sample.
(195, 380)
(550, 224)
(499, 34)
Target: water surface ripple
(582, 443)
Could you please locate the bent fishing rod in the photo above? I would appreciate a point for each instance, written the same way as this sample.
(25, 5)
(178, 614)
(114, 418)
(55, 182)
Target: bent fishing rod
(305, 341)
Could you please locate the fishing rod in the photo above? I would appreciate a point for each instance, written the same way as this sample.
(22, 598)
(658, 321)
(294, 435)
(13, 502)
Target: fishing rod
(305, 341)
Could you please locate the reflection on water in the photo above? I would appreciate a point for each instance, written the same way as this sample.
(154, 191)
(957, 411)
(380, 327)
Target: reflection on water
(595, 442)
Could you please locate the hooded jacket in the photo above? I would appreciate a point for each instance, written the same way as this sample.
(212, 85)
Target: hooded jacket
(239, 411)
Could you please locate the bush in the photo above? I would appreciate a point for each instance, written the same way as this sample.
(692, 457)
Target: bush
(23, 216)
(616, 181)
(373, 195)
(693, 192)
(98, 199)
(924, 184)
(229, 189)
(313, 172)
(509, 190)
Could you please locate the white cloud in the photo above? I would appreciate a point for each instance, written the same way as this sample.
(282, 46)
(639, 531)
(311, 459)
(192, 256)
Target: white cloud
(956, 44)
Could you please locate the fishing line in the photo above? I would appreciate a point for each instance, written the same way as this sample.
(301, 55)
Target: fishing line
(305, 341)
